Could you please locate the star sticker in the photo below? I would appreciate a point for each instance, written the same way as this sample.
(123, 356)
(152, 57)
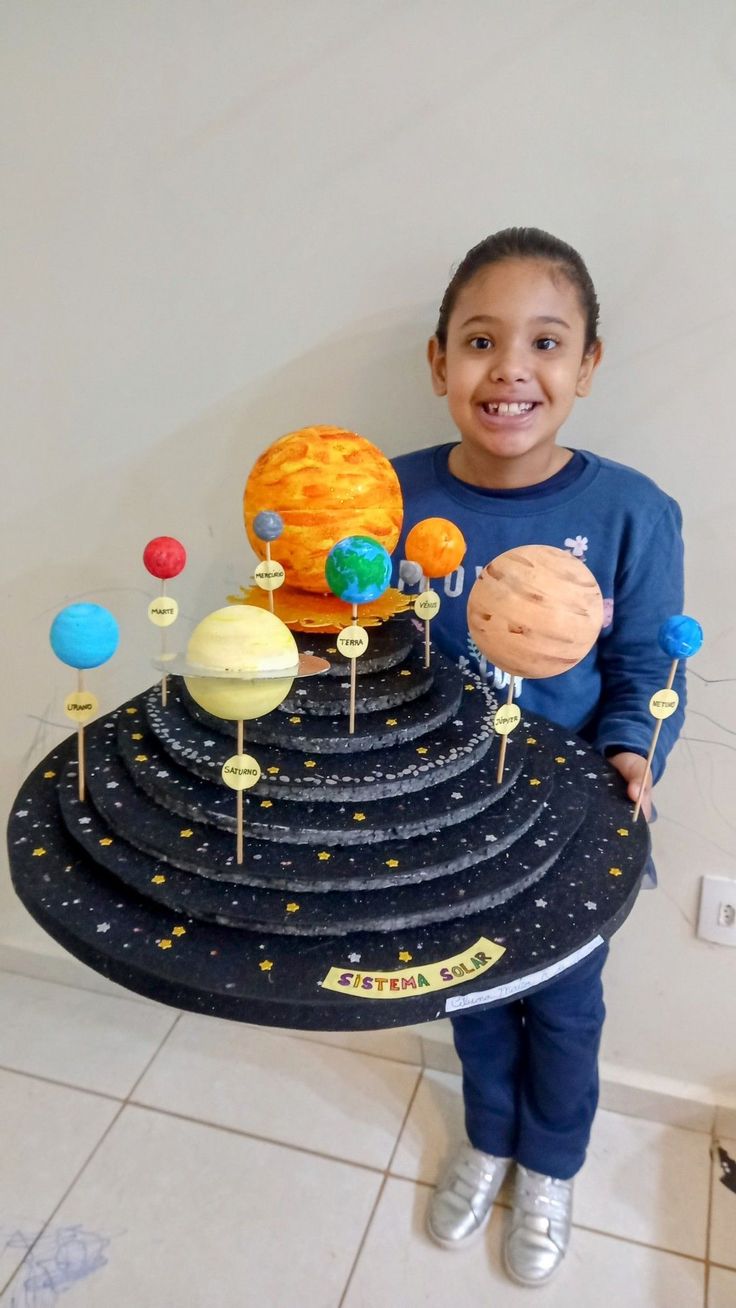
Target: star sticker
(310, 763)
(622, 831)
(179, 931)
(591, 776)
(469, 686)
(323, 856)
(132, 711)
(560, 759)
(540, 903)
(48, 775)
(456, 795)
(540, 842)
(164, 944)
(272, 771)
(266, 965)
(158, 880)
(292, 908)
(332, 649)
(141, 758)
(295, 721)
(38, 853)
(535, 782)
(113, 785)
(531, 740)
(405, 672)
(103, 926)
(158, 774)
(106, 840)
(208, 743)
(589, 904)
(405, 956)
(266, 803)
(391, 722)
(354, 958)
(22, 812)
(422, 749)
(615, 872)
(358, 817)
(392, 862)
(186, 833)
(137, 735)
(491, 837)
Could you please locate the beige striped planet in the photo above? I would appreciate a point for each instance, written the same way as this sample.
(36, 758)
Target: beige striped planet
(535, 611)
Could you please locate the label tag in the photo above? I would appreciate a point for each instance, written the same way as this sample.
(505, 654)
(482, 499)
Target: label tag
(269, 576)
(663, 703)
(507, 717)
(81, 705)
(163, 611)
(427, 605)
(352, 642)
(241, 771)
(410, 981)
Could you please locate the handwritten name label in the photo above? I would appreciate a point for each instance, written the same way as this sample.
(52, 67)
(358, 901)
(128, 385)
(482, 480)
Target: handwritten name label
(506, 719)
(427, 605)
(375, 984)
(352, 641)
(663, 703)
(162, 612)
(241, 771)
(269, 575)
(80, 706)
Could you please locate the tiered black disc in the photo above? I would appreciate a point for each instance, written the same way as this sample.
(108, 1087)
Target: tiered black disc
(387, 865)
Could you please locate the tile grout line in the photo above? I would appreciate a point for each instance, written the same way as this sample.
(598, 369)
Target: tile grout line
(84, 990)
(706, 1279)
(63, 1085)
(153, 1058)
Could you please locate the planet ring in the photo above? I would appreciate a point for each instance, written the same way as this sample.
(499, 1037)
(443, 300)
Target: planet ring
(309, 665)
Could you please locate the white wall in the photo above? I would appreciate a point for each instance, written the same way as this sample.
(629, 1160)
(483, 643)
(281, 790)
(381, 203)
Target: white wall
(224, 220)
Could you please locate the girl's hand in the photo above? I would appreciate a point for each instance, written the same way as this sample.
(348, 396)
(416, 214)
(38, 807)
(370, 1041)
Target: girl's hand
(631, 766)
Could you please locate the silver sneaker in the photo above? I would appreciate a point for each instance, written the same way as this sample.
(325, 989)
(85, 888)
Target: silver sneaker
(539, 1230)
(461, 1205)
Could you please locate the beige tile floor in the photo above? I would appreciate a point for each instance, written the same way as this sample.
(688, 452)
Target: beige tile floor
(150, 1159)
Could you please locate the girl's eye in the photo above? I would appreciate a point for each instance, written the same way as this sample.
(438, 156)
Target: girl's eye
(547, 343)
(480, 343)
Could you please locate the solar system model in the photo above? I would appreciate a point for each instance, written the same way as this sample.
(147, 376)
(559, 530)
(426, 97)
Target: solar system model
(400, 845)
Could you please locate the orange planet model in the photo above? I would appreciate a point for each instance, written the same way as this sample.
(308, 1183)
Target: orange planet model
(535, 611)
(437, 545)
(326, 483)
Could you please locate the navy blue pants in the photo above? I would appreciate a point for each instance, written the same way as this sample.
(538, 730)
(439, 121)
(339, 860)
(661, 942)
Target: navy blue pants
(530, 1071)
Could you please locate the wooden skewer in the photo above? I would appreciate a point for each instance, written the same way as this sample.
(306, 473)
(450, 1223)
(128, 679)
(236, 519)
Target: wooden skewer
(427, 588)
(353, 678)
(269, 592)
(502, 750)
(164, 679)
(653, 746)
(80, 739)
(239, 801)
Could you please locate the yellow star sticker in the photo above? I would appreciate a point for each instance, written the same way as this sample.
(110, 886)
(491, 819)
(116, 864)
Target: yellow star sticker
(295, 721)
(535, 782)
(469, 686)
(266, 803)
(106, 840)
(141, 758)
(137, 735)
(292, 908)
(131, 710)
(392, 862)
(272, 771)
(531, 740)
(186, 833)
(39, 853)
(323, 856)
(48, 775)
(405, 956)
(164, 944)
(179, 931)
(422, 749)
(310, 763)
(391, 722)
(560, 759)
(405, 672)
(622, 831)
(158, 880)
(358, 817)
(332, 649)
(615, 872)
(266, 965)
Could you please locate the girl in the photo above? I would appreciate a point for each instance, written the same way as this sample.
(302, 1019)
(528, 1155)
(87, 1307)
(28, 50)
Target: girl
(516, 343)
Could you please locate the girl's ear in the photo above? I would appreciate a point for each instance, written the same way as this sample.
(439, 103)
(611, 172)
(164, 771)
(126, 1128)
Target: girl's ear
(437, 366)
(587, 368)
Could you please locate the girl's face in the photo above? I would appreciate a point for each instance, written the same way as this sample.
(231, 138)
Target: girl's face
(513, 365)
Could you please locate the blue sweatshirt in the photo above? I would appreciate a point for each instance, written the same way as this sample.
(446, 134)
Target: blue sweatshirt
(625, 529)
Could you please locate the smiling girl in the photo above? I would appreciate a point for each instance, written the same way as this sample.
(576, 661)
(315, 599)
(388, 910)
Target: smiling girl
(516, 344)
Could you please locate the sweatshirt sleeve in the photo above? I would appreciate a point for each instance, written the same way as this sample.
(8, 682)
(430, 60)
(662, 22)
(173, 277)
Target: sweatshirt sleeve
(649, 589)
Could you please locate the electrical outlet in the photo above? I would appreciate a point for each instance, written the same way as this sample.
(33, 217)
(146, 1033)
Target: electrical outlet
(717, 916)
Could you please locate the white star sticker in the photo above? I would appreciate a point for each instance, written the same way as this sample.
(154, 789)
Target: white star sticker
(84, 821)
(207, 744)
(22, 812)
(540, 903)
(491, 837)
(103, 926)
(456, 795)
(112, 785)
(162, 774)
(589, 904)
(354, 958)
(541, 843)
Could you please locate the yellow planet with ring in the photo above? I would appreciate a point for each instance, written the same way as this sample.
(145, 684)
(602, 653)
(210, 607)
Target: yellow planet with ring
(535, 611)
(325, 483)
(249, 642)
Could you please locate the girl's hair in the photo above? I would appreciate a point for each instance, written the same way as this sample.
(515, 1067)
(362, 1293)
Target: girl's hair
(524, 243)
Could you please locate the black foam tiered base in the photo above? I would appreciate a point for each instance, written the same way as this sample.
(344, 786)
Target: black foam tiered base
(388, 865)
